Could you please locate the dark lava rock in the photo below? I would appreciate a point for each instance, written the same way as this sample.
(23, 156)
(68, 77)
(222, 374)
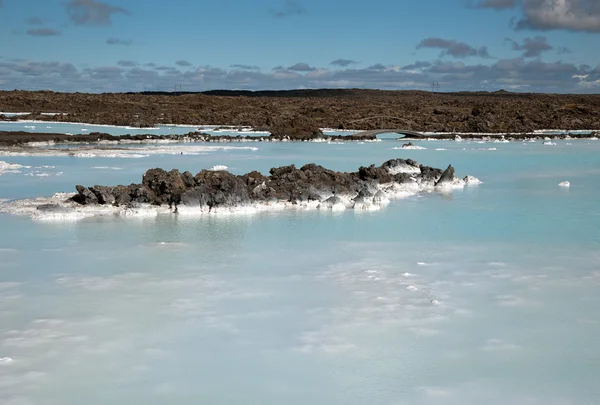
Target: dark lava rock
(216, 188)
(105, 195)
(430, 173)
(287, 183)
(296, 127)
(447, 176)
(379, 174)
(142, 194)
(54, 208)
(85, 196)
(167, 186)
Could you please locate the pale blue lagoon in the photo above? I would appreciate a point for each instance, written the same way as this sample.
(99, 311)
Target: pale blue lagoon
(486, 295)
(78, 128)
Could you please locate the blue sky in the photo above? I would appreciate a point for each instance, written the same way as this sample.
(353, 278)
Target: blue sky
(132, 45)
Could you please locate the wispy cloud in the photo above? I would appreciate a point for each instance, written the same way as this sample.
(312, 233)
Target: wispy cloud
(453, 48)
(417, 65)
(563, 50)
(532, 47)
(301, 67)
(127, 63)
(377, 66)
(343, 62)
(92, 12)
(43, 32)
(245, 67)
(494, 4)
(118, 41)
(35, 21)
(290, 8)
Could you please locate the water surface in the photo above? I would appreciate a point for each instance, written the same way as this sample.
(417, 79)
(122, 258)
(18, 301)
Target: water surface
(485, 295)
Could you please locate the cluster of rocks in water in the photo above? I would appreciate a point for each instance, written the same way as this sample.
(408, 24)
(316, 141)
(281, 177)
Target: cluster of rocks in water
(311, 183)
(16, 138)
(19, 138)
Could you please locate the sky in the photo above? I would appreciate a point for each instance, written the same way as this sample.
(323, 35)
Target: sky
(550, 46)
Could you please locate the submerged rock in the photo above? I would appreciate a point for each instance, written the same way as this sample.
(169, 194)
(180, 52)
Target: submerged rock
(367, 188)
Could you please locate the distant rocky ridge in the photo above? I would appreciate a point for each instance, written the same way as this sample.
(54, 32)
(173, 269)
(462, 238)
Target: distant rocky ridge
(303, 112)
(311, 184)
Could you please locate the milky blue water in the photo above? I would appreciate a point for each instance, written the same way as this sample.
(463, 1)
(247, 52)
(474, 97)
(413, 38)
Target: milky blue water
(487, 295)
(76, 128)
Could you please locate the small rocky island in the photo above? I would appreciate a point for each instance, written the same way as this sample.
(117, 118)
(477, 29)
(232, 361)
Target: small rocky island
(211, 189)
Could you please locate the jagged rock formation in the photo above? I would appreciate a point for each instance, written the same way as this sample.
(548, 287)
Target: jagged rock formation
(311, 183)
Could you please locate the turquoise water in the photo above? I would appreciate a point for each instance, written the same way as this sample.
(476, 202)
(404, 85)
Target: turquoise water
(487, 295)
(76, 128)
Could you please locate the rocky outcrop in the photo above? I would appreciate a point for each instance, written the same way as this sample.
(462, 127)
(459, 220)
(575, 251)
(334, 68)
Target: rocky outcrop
(297, 127)
(447, 177)
(310, 183)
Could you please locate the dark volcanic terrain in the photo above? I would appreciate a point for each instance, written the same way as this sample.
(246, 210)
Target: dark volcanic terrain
(303, 112)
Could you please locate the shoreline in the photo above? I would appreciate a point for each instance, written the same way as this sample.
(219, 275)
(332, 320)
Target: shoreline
(9, 140)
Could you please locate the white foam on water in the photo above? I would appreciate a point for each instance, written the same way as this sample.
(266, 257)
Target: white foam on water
(109, 155)
(457, 183)
(217, 168)
(43, 174)
(170, 244)
(4, 361)
(441, 149)
(565, 184)
(10, 168)
(549, 143)
(410, 147)
(472, 181)
(124, 153)
(41, 144)
(7, 167)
